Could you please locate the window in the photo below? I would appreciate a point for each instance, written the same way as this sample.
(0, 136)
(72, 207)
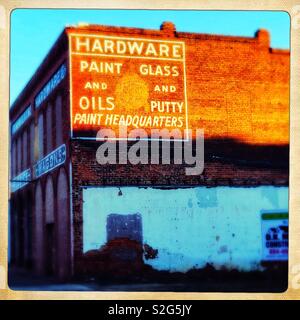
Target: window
(40, 133)
(19, 155)
(49, 129)
(58, 113)
(24, 152)
(14, 160)
(31, 143)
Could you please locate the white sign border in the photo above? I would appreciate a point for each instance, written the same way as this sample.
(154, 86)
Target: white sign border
(183, 60)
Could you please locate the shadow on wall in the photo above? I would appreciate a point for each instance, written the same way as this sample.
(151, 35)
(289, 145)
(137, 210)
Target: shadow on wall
(236, 152)
(226, 150)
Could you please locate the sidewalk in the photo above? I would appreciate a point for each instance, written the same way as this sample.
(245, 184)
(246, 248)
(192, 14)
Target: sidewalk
(20, 279)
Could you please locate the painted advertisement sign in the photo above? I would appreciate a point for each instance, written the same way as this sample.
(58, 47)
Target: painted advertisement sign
(51, 85)
(21, 180)
(275, 235)
(51, 161)
(135, 83)
(21, 120)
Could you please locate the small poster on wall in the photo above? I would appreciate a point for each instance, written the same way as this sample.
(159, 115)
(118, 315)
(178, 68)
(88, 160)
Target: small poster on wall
(275, 235)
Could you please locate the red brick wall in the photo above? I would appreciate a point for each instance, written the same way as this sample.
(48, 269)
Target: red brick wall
(237, 89)
(87, 172)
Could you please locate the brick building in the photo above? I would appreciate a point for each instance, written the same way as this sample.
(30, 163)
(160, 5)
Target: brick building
(65, 208)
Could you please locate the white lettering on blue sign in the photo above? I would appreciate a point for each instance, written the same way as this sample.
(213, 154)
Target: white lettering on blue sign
(21, 180)
(21, 120)
(51, 85)
(51, 161)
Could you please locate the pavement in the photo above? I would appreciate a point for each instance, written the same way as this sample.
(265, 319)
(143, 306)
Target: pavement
(21, 279)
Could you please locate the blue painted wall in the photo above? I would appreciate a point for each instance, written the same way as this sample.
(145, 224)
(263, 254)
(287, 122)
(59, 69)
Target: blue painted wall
(188, 226)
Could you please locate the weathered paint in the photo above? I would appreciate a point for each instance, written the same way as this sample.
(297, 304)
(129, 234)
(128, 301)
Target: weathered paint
(188, 226)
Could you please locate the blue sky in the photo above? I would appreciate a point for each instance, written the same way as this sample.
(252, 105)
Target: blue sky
(33, 31)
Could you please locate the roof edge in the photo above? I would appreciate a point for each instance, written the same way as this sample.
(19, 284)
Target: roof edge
(42, 66)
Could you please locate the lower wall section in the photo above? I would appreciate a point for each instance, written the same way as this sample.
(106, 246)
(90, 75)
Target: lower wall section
(185, 228)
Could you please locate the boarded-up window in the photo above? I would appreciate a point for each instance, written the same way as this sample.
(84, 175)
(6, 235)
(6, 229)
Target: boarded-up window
(19, 155)
(63, 226)
(31, 144)
(49, 128)
(127, 226)
(38, 249)
(49, 201)
(49, 220)
(14, 160)
(58, 115)
(40, 136)
(25, 148)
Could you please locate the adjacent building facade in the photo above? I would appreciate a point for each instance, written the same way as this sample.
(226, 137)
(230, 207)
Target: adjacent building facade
(71, 216)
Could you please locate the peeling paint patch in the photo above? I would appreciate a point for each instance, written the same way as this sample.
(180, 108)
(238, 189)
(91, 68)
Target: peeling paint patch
(222, 249)
(207, 197)
(149, 252)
